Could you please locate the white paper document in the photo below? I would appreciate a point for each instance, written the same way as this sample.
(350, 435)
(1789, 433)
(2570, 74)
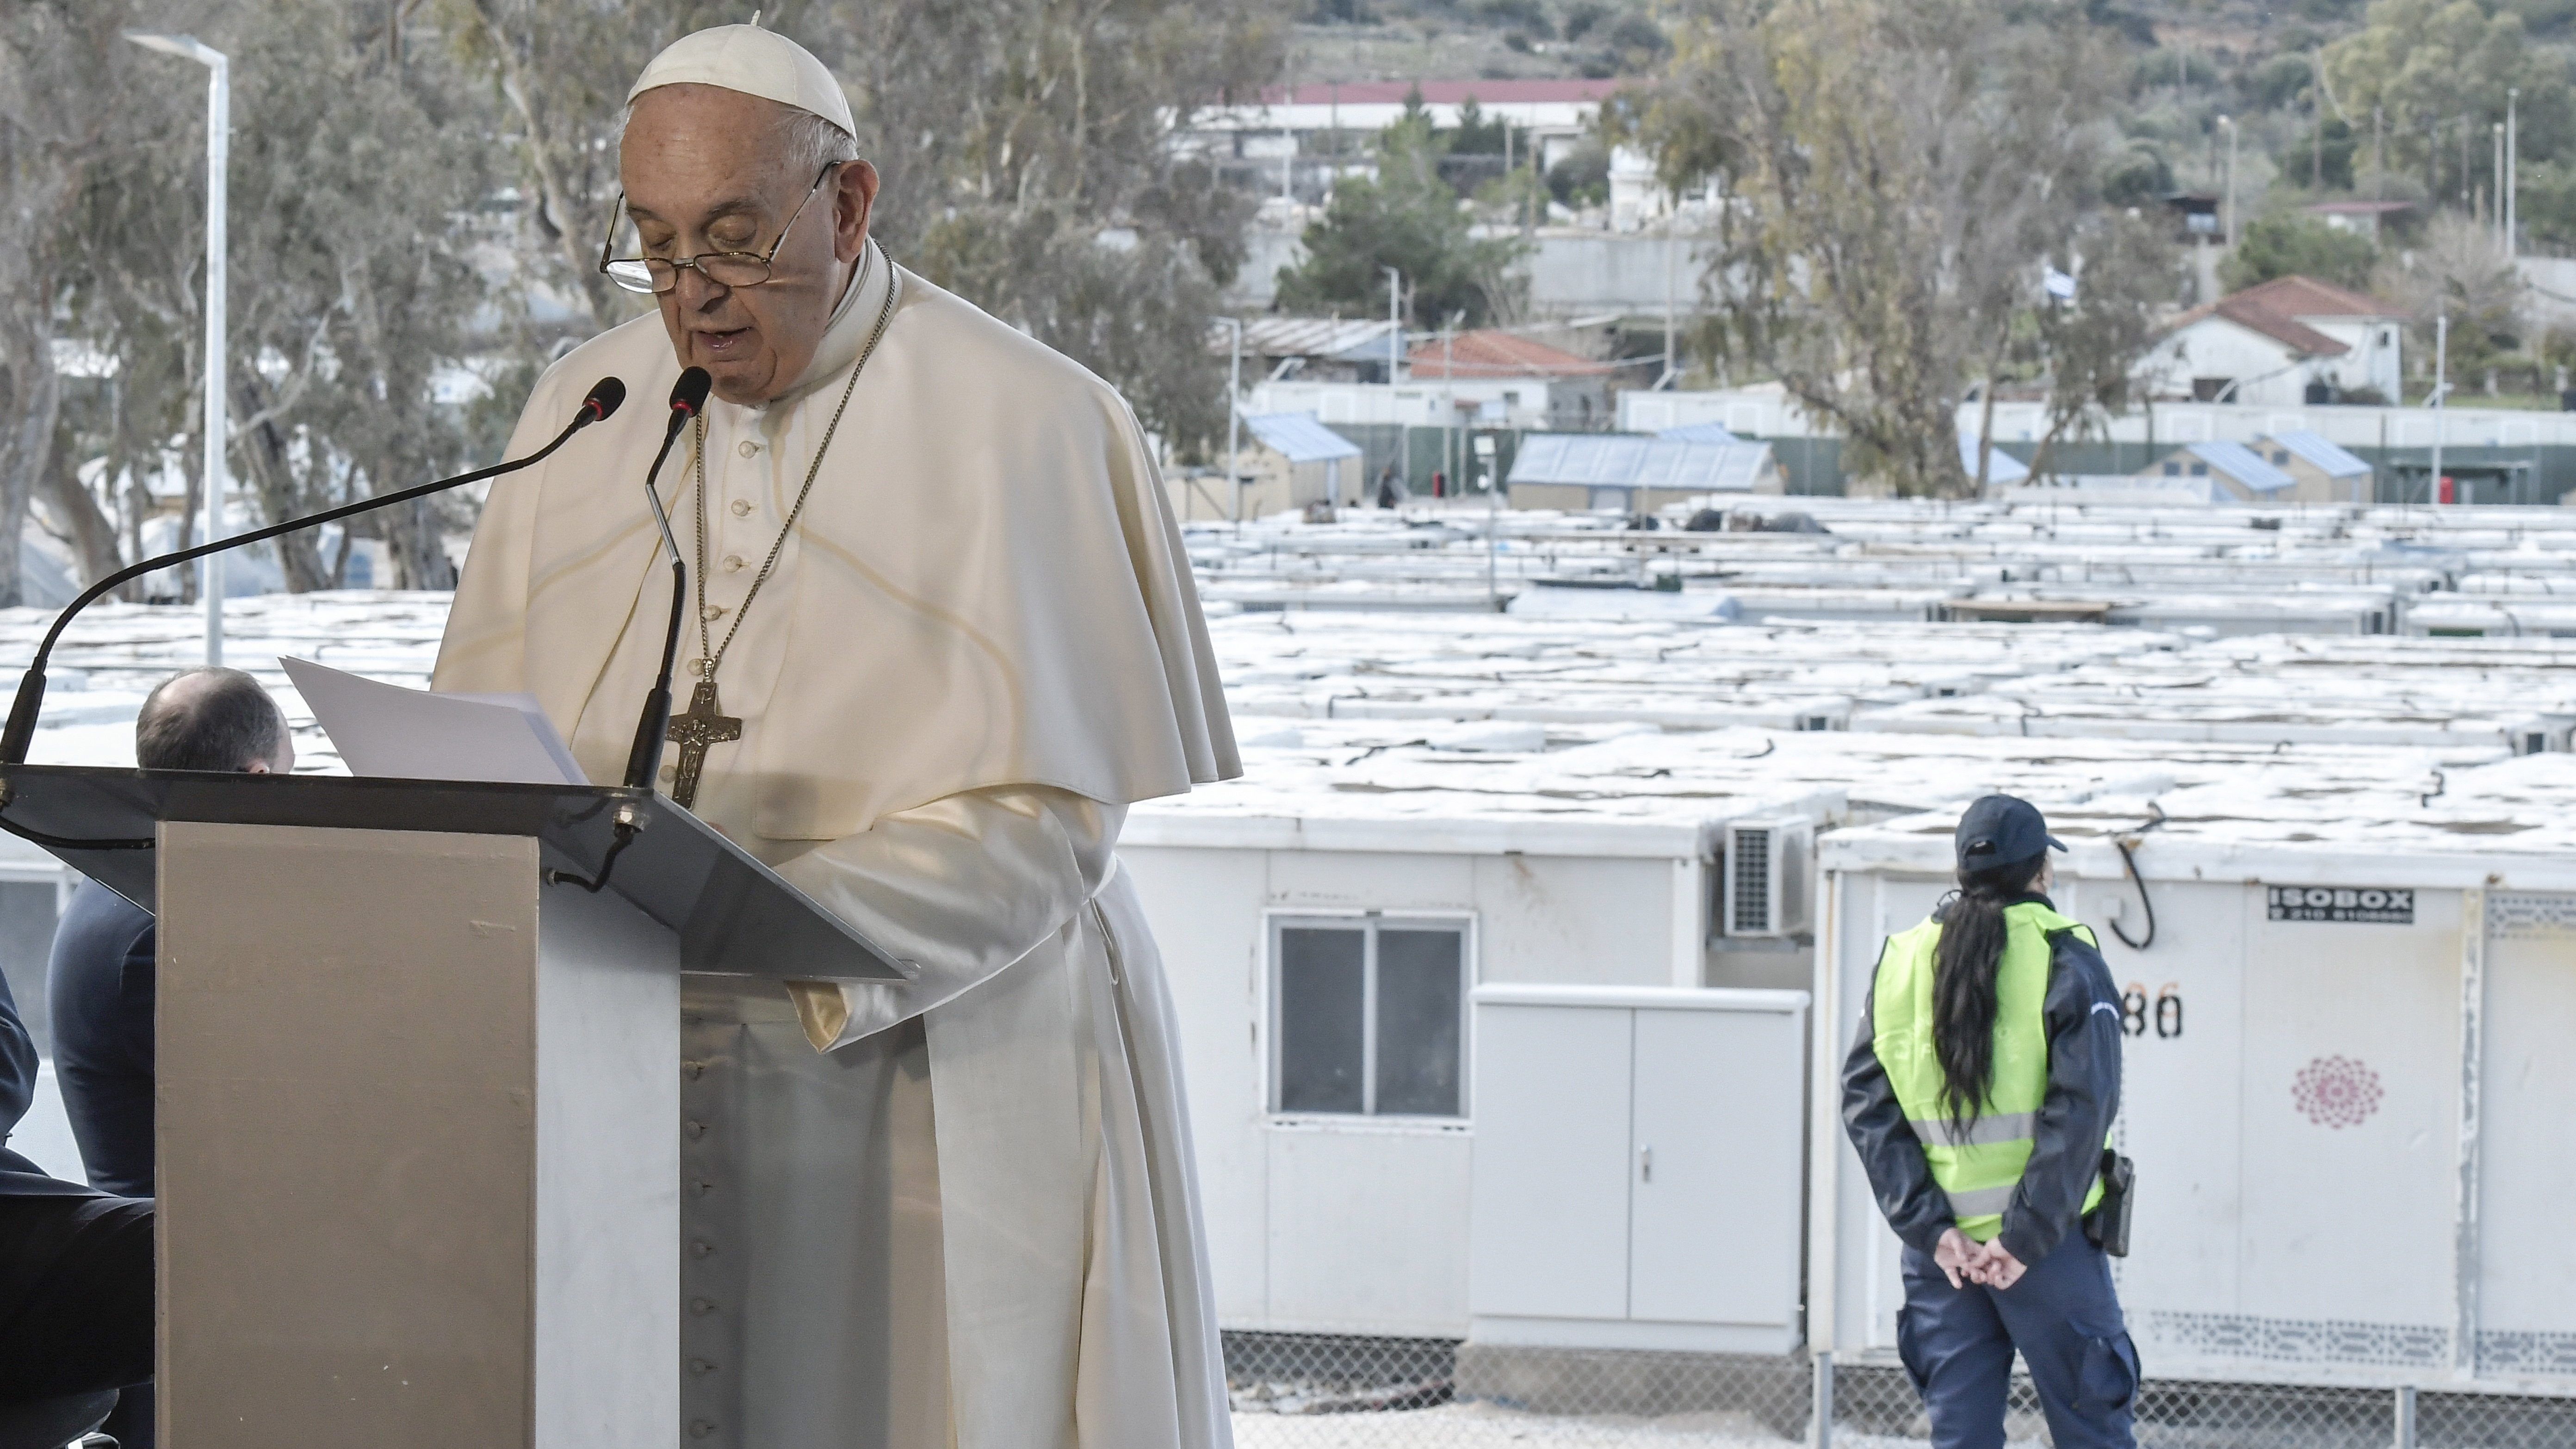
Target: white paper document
(412, 734)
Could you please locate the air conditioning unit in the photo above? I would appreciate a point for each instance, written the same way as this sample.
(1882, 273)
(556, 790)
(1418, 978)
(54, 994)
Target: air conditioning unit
(1763, 878)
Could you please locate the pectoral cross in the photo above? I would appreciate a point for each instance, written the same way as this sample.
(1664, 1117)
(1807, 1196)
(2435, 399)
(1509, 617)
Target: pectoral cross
(703, 725)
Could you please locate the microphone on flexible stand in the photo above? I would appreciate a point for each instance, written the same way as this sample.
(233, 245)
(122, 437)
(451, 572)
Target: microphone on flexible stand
(20, 733)
(688, 395)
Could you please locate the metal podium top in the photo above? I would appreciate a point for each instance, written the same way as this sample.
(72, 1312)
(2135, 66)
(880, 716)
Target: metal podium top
(733, 915)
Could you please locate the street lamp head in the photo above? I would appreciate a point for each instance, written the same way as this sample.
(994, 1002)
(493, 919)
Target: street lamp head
(186, 47)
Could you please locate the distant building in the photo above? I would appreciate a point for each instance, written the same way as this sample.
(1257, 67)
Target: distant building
(1580, 471)
(1310, 349)
(2324, 472)
(1289, 461)
(2363, 218)
(1305, 134)
(2239, 471)
(2290, 342)
(1578, 388)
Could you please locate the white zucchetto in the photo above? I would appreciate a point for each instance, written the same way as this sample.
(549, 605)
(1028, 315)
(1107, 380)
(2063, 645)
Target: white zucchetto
(755, 62)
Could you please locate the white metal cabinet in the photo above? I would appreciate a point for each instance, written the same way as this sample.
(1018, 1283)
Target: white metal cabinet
(1638, 1175)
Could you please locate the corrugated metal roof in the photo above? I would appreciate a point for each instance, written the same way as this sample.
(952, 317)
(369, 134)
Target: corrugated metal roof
(2313, 448)
(1702, 433)
(1300, 437)
(2242, 464)
(1625, 460)
(2001, 467)
(1342, 339)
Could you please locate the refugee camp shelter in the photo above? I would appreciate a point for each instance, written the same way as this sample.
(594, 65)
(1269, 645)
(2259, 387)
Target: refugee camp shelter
(1633, 474)
(1294, 461)
(2247, 475)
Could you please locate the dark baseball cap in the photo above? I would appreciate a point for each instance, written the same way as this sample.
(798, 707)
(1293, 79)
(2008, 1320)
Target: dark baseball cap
(1999, 830)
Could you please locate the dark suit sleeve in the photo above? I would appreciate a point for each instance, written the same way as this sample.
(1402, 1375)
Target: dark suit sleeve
(17, 1063)
(2082, 1012)
(1899, 1176)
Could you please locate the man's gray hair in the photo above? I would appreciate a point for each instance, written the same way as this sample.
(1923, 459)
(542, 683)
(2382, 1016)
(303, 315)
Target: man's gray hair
(813, 143)
(226, 722)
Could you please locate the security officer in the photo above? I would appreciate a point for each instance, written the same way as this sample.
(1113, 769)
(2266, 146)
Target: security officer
(1980, 1095)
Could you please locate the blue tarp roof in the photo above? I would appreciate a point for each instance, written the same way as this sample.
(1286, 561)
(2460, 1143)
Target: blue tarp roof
(1627, 460)
(2001, 467)
(1300, 437)
(2312, 448)
(2243, 464)
(1701, 433)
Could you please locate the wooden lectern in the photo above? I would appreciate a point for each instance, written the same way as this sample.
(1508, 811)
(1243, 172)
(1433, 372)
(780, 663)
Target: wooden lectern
(418, 1092)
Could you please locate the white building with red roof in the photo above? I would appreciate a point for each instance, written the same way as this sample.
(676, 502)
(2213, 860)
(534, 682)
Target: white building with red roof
(2290, 342)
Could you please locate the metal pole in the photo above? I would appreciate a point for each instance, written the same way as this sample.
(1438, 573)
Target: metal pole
(1821, 1435)
(2495, 190)
(219, 117)
(219, 111)
(1394, 325)
(2231, 181)
(2512, 165)
(1234, 424)
(2403, 1435)
(2441, 384)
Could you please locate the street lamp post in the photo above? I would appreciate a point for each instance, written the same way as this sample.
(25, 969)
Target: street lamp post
(219, 107)
(2512, 163)
(1234, 423)
(2230, 124)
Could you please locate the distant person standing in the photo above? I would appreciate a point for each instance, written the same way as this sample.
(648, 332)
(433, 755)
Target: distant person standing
(100, 980)
(1980, 1095)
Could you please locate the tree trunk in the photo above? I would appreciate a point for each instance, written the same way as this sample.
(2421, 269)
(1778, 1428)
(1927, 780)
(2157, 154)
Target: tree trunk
(93, 533)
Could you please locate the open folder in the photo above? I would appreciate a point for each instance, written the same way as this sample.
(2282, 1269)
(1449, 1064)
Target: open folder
(412, 734)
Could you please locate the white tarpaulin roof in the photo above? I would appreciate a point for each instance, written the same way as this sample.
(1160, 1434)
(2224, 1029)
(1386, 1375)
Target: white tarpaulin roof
(1300, 437)
(1626, 460)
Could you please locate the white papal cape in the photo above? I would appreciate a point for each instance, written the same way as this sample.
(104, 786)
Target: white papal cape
(974, 1219)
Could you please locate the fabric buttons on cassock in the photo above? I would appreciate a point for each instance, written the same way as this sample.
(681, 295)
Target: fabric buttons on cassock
(700, 1429)
(733, 563)
(712, 612)
(701, 1248)
(742, 508)
(670, 772)
(749, 449)
(702, 1306)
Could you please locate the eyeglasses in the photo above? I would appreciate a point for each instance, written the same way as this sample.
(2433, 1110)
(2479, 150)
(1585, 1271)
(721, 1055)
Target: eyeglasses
(725, 269)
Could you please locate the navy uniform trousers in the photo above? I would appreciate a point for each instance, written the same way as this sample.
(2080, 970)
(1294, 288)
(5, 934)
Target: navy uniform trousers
(1958, 1346)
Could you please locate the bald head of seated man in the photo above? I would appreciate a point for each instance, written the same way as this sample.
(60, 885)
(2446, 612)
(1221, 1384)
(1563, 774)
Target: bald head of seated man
(100, 981)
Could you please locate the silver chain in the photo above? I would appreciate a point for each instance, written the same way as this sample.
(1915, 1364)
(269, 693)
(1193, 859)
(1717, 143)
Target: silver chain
(710, 656)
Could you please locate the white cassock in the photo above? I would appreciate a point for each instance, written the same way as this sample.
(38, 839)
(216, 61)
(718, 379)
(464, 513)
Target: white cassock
(974, 1219)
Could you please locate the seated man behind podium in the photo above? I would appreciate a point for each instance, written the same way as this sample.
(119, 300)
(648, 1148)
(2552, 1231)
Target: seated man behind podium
(75, 1265)
(101, 976)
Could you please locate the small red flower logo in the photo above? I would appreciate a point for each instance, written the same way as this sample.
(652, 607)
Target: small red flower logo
(2336, 1092)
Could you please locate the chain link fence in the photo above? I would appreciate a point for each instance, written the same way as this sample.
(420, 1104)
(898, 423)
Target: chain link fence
(1309, 1391)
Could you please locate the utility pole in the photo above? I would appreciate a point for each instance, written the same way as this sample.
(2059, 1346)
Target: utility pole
(2230, 124)
(219, 111)
(2378, 155)
(1234, 423)
(2441, 385)
(1394, 325)
(2512, 166)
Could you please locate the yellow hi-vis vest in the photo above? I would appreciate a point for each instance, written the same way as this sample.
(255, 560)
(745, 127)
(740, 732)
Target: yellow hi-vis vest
(1978, 1166)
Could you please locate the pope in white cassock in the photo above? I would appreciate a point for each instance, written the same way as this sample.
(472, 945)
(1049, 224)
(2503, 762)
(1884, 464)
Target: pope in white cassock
(944, 635)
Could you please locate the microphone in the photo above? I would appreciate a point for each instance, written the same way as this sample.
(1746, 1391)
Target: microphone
(644, 759)
(20, 733)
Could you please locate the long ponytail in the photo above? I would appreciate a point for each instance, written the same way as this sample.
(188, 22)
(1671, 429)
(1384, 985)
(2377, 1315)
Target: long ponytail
(1964, 959)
